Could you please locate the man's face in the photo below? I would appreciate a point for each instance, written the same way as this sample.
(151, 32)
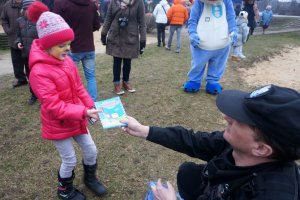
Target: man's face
(18, 1)
(240, 136)
(60, 51)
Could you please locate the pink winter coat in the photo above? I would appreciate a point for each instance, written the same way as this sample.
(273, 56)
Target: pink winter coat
(64, 100)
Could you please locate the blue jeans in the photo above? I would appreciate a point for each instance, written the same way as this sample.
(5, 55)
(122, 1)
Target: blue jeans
(88, 62)
(174, 28)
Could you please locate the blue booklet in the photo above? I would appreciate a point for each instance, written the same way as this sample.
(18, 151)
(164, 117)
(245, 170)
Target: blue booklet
(112, 112)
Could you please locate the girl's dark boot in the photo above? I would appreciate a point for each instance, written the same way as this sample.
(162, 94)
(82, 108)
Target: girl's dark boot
(91, 180)
(66, 190)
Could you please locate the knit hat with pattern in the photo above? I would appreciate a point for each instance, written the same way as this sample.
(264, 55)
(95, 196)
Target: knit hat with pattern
(27, 3)
(52, 28)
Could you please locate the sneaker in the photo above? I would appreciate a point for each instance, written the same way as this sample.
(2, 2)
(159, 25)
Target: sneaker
(242, 56)
(128, 87)
(118, 89)
(168, 48)
(177, 51)
(32, 100)
(158, 45)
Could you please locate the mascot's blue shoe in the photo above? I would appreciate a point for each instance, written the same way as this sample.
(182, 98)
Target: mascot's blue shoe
(191, 86)
(213, 88)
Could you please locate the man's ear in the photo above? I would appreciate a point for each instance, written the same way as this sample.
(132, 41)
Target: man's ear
(262, 150)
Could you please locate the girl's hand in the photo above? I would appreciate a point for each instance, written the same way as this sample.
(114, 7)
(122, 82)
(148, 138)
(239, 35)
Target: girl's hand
(20, 45)
(93, 113)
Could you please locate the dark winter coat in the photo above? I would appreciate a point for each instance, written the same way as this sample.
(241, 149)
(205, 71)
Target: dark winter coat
(220, 177)
(26, 33)
(9, 16)
(82, 16)
(124, 42)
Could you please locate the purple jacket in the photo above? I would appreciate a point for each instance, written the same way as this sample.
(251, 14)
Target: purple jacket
(82, 16)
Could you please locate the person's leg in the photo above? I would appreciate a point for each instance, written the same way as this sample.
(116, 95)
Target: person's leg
(66, 173)
(158, 28)
(88, 64)
(33, 98)
(171, 32)
(189, 180)
(126, 69)
(200, 58)
(117, 73)
(18, 67)
(178, 32)
(89, 162)
(117, 69)
(217, 65)
(126, 73)
(163, 34)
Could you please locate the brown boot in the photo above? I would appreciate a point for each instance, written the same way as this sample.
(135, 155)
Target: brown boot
(128, 87)
(235, 59)
(118, 89)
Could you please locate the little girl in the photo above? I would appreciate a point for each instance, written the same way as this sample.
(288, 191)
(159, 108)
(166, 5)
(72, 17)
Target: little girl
(65, 103)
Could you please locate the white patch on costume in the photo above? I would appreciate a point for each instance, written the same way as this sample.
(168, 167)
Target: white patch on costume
(212, 27)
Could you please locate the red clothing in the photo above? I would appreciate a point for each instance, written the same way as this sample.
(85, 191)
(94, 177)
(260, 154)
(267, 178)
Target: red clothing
(64, 100)
(177, 14)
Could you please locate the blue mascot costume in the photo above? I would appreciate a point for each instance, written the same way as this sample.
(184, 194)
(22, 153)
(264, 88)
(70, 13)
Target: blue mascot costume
(212, 30)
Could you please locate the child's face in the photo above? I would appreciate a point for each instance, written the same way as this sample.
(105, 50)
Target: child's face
(60, 51)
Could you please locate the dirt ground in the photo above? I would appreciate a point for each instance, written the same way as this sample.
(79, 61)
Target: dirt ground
(282, 69)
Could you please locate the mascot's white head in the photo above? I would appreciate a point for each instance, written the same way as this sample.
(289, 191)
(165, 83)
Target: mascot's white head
(243, 14)
(211, 1)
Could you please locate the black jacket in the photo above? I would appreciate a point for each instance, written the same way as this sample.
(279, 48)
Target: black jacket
(268, 181)
(26, 33)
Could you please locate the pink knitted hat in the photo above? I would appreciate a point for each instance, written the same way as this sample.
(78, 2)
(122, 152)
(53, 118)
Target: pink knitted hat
(52, 28)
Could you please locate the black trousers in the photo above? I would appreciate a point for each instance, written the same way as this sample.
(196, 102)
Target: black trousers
(189, 180)
(161, 33)
(19, 64)
(117, 69)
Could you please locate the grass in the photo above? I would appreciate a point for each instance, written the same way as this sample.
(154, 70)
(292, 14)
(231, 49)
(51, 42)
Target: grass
(29, 164)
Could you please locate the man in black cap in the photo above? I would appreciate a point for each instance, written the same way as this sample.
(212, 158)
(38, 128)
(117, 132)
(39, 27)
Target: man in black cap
(253, 158)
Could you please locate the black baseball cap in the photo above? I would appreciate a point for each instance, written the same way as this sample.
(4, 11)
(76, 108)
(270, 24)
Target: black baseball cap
(272, 109)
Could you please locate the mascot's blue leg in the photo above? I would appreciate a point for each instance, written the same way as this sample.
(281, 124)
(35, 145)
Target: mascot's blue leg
(215, 70)
(191, 86)
(213, 88)
(198, 65)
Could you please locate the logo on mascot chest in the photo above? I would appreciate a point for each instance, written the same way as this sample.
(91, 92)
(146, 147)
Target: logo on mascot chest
(217, 11)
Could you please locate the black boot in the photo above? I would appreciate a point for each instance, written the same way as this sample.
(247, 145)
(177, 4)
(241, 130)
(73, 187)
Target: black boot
(91, 180)
(66, 191)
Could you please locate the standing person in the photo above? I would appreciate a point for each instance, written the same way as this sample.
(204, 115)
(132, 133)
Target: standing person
(243, 31)
(249, 8)
(160, 14)
(266, 18)
(11, 11)
(253, 158)
(103, 9)
(83, 18)
(177, 15)
(124, 33)
(212, 30)
(26, 33)
(65, 103)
